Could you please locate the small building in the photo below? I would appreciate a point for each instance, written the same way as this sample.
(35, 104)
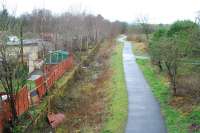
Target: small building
(55, 57)
(31, 49)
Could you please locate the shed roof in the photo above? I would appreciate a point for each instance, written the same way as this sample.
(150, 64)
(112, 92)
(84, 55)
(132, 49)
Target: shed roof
(55, 57)
(26, 42)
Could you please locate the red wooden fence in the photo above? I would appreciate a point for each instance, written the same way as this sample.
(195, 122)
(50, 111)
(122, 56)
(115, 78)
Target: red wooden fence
(22, 102)
(40, 86)
(1, 122)
(53, 73)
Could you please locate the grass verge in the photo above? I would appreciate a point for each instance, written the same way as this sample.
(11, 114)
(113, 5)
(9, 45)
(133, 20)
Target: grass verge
(176, 120)
(118, 106)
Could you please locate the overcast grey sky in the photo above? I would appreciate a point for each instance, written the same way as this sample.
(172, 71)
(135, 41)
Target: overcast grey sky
(158, 11)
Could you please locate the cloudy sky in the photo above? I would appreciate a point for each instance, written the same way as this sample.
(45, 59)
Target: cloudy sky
(158, 11)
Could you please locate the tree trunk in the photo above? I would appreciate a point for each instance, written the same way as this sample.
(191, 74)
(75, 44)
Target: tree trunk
(174, 79)
(21, 44)
(71, 45)
(81, 44)
(87, 43)
(13, 108)
(147, 36)
(174, 86)
(55, 44)
(160, 66)
(172, 75)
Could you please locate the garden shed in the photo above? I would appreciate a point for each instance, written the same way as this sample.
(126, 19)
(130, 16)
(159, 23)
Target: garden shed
(55, 57)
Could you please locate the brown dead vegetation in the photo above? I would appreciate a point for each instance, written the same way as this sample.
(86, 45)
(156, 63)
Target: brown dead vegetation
(140, 47)
(136, 38)
(188, 88)
(189, 85)
(84, 104)
(84, 100)
(182, 102)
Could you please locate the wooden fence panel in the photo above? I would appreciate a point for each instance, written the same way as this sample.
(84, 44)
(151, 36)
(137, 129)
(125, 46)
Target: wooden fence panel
(1, 122)
(6, 110)
(50, 80)
(22, 102)
(40, 85)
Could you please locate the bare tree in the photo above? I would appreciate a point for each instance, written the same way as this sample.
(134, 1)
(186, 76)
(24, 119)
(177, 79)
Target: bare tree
(76, 29)
(13, 73)
(197, 19)
(146, 28)
(21, 43)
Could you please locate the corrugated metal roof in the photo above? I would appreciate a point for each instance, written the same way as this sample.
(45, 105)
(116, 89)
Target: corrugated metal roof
(25, 42)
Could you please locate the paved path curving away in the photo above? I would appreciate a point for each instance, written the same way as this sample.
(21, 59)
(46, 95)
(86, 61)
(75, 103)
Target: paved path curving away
(143, 112)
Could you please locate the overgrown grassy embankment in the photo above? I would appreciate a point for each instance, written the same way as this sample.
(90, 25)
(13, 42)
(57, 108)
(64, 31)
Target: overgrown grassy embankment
(35, 119)
(118, 106)
(176, 120)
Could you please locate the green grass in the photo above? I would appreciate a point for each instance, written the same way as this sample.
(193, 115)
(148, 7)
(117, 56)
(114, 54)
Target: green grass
(118, 108)
(176, 121)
